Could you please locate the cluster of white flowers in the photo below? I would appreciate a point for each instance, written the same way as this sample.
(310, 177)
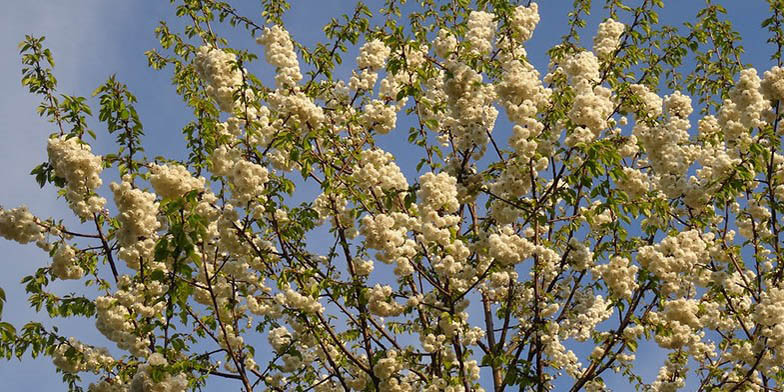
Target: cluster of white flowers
(64, 263)
(628, 147)
(279, 52)
(580, 255)
(362, 267)
(470, 113)
(680, 318)
(279, 338)
(387, 233)
(301, 109)
(248, 180)
(75, 163)
(772, 84)
(514, 182)
(650, 102)
(560, 357)
(508, 248)
(114, 321)
(438, 191)
(138, 212)
(752, 220)
(716, 166)
(373, 55)
(380, 302)
(377, 172)
(438, 203)
(74, 357)
(445, 44)
(674, 258)
(745, 109)
(620, 276)
(581, 66)
(20, 225)
(173, 181)
(669, 379)
(592, 103)
(143, 381)
(481, 29)
(523, 96)
(607, 39)
(587, 312)
(769, 313)
(379, 116)
(523, 21)
(667, 145)
(635, 183)
(293, 299)
(597, 214)
(218, 68)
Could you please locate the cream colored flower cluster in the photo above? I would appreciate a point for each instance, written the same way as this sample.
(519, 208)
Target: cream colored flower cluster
(514, 182)
(607, 39)
(674, 258)
(373, 55)
(114, 321)
(381, 303)
(248, 180)
(559, 356)
(620, 276)
(377, 173)
(523, 21)
(634, 182)
(445, 44)
(481, 29)
(580, 255)
(279, 338)
(116, 313)
(138, 213)
(437, 222)
(218, 68)
(769, 313)
(143, 381)
(173, 181)
(82, 358)
(667, 145)
(333, 205)
(680, 318)
(592, 104)
(74, 162)
(379, 116)
(279, 52)
(588, 311)
(64, 263)
(388, 234)
(772, 84)
(293, 299)
(470, 114)
(20, 225)
(650, 102)
(302, 110)
(745, 109)
(438, 191)
(523, 96)
(508, 248)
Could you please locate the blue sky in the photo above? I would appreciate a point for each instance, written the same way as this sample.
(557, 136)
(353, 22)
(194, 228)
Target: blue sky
(92, 39)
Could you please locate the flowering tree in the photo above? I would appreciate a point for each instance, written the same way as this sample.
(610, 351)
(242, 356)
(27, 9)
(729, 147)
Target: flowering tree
(585, 205)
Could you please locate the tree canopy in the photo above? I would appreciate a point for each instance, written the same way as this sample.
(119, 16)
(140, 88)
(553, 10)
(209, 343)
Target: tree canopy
(552, 220)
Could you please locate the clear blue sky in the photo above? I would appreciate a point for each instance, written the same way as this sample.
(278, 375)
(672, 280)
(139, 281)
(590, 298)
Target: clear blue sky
(91, 39)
